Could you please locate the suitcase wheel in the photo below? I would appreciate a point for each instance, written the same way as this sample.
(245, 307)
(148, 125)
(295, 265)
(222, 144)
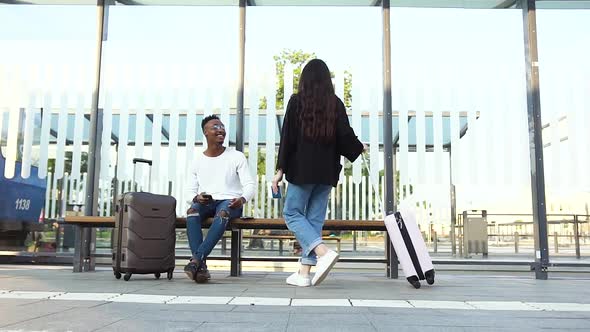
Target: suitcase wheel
(414, 281)
(157, 274)
(118, 275)
(429, 276)
(127, 276)
(170, 274)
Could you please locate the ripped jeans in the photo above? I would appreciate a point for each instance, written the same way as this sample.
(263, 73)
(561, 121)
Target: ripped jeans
(200, 248)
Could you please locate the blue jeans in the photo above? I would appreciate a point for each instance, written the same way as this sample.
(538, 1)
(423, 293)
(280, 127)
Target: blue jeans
(305, 213)
(200, 248)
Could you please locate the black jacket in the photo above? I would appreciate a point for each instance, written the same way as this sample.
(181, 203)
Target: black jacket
(306, 162)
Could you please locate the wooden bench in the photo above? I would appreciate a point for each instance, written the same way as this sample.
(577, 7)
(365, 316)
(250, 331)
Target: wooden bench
(280, 238)
(84, 260)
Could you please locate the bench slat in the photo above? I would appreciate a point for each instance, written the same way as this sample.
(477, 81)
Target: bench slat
(262, 223)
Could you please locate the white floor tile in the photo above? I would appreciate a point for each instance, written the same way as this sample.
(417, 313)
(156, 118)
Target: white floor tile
(441, 305)
(200, 300)
(501, 305)
(381, 303)
(141, 298)
(29, 295)
(260, 301)
(561, 306)
(320, 302)
(86, 296)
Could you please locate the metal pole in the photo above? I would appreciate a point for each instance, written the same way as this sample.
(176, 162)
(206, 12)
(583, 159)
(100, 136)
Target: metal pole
(236, 234)
(391, 257)
(535, 138)
(577, 236)
(453, 206)
(88, 235)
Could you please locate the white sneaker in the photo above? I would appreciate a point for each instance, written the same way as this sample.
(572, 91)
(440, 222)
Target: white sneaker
(298, 280)
(325, 263)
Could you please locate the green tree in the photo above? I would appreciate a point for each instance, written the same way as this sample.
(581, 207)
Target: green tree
(297, 59)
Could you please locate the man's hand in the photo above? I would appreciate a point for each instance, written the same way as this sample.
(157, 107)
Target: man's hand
(275, 181)
(365, 148)
(200, 199)
(237, 203)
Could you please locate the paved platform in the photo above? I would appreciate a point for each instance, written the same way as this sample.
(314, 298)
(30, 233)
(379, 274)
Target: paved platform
(52, 298)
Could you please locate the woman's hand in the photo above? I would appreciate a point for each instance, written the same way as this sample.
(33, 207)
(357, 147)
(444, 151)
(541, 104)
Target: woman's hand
(276, 180)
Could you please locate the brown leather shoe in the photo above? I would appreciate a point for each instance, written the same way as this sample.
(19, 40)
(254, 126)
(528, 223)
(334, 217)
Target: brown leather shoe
(203, 274)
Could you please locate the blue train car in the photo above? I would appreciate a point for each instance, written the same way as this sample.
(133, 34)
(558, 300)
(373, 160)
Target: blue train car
(21, 204)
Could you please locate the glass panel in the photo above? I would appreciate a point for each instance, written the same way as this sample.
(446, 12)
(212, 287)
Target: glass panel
(166, 72)
(46, 78)
(349, 41)
(564, 82)
(460, 71)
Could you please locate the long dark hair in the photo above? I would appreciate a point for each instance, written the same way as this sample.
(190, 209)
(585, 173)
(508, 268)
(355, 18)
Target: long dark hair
(317, 102)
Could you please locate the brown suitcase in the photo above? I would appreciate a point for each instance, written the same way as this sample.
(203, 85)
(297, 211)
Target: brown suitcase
(145, 235)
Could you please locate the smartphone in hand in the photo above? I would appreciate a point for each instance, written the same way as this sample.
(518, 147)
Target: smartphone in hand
(277, 194)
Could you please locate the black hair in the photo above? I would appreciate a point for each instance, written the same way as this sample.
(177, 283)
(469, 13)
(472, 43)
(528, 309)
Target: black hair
(207, 119)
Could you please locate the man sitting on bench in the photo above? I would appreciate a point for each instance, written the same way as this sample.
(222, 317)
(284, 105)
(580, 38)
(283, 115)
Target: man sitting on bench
(220, 182)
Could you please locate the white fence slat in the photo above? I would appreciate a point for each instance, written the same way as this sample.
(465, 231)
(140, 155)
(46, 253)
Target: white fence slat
(78, 132)
(156, 144)
(64, 195)
(28, 136)
(173, 142)
(225, 115)
(288, 84)
(62, 130)
(109, 198)
(438, 147)
(45, 126)
(403, 140)
(140, 130)
(339, 83)
(191, 129)
(343, 196)
(122, 164)
(364, 197)
(357, 203)
(371, 193)
(350, 198)
(48, 182)
(253, 137)
(333, 203)
(270, 131)
(54, 197)
(356, 122)
(373, 135)
(105, 155)
(12, 142)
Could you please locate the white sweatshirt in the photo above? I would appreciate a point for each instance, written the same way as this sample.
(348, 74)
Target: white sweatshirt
(226, 176)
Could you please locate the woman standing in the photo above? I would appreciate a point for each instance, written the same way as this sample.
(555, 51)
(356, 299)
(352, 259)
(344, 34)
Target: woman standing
(316, 132)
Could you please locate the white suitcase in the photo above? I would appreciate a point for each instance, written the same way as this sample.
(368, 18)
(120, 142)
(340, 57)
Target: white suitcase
(407, 241)
(410, 247)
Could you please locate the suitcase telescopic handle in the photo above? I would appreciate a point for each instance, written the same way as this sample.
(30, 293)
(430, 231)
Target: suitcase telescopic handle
(143, 161)
(140, 160)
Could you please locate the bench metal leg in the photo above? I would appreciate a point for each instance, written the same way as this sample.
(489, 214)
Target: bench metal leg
(223, 245)
(391, 266)
(78, 260)
(280, 247)
(84, 247)
(236, 253)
